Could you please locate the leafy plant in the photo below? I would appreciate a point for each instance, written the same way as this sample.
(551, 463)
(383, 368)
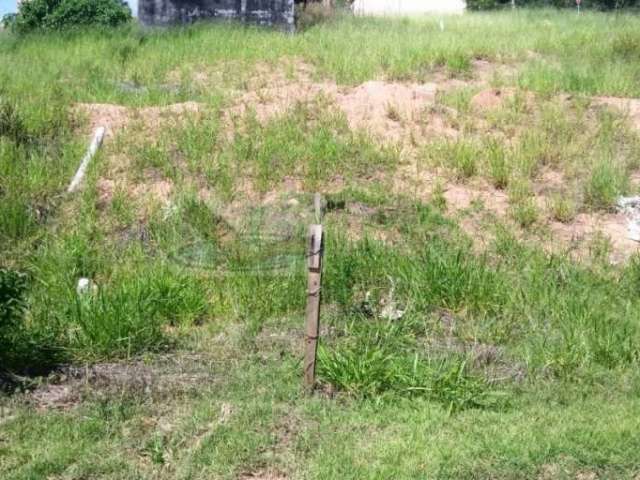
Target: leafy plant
(64, 14)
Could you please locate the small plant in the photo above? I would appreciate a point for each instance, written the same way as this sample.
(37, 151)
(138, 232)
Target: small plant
(562, 207)
(600, 247)
(12, 307)
(13, 286)
(529, 154)
(12, 126)
(605, 183)
(460, 155)
(499, 168)
(523, 205)
(437, 197)
(126, 317)
(525, 213)
(393, 113)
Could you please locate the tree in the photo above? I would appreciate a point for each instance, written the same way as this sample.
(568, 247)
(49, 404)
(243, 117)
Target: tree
(63, 14)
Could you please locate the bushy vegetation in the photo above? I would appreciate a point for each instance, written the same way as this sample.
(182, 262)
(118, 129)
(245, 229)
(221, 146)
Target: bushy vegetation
(13, 288)
(65, 14)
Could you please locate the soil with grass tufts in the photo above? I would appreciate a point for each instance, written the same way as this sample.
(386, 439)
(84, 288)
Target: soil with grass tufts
(165, 376)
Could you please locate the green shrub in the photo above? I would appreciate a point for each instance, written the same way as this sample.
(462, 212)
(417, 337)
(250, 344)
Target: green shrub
(22, 350)
(12, 306)
(63, 14)
(485, 4)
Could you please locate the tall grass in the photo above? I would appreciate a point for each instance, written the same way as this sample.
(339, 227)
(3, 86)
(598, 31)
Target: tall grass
(552, 315)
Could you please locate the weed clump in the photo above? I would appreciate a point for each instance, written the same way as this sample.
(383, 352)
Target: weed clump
(461, 156)
(605, 182)
(563, 208)
(372, 369)
(498, 165)
(12, 125)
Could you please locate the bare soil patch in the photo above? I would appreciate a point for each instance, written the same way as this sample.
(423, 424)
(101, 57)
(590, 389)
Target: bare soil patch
(166, 375)
(491, 99)
(401, 113)
(479, 198)
(387, 110)
(117, 117)
(263, 475)
(629, 106)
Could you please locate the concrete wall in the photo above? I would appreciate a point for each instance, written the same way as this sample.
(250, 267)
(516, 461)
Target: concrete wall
(261, 12)
(407, 7)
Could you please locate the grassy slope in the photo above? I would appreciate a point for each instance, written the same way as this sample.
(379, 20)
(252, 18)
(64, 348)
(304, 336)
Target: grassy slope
(572, 329)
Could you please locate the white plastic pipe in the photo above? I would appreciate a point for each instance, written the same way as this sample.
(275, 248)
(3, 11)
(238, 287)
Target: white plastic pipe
(98, 136)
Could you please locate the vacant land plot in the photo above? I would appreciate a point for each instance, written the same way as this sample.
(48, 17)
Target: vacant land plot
(481, 316)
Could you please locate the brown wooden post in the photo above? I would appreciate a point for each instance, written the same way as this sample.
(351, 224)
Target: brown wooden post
(312, 333)
(317, 207)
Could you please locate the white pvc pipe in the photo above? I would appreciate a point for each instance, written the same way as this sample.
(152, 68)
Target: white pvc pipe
(82, 169)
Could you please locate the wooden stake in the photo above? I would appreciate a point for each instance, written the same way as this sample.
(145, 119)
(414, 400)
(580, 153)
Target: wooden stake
(313, 305)
(317, 206)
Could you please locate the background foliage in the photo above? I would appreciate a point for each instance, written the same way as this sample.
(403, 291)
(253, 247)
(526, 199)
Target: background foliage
(62, 14)
(599, 4)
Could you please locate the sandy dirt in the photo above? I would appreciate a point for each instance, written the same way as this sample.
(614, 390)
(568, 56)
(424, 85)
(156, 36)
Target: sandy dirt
(404, 114)
(116, 118)
(629, 106)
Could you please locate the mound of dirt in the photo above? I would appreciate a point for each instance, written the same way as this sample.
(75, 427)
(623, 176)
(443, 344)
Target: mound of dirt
(116, 117)
(385, 109)
(491, 99)
(269, 102)
(388, 111)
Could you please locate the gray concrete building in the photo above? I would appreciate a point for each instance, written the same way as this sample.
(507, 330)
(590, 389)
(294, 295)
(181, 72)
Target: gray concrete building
(278, 13)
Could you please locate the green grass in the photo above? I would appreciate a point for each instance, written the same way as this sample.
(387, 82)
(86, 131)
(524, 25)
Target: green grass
(508, 359)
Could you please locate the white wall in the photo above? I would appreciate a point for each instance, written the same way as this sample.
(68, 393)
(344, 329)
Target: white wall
(407, 7)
